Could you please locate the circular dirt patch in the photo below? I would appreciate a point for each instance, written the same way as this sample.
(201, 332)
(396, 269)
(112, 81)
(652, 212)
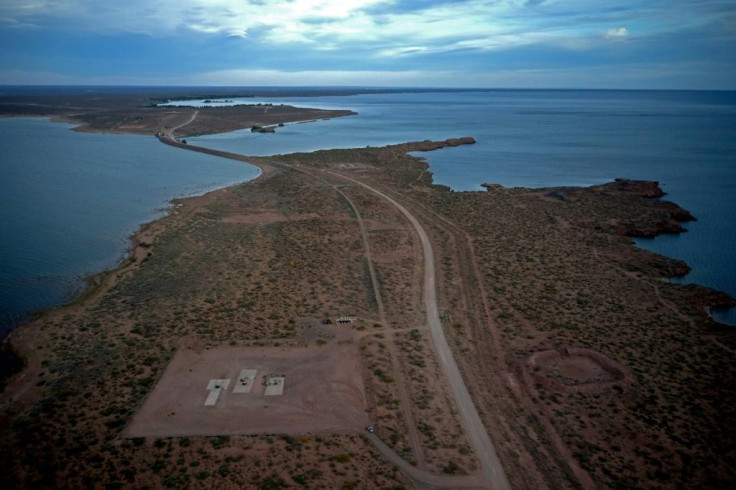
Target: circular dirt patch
(571, 369)
(576, 370)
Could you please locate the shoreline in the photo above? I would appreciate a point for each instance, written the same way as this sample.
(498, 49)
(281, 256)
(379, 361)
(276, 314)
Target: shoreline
(100, 282)
(568, 335)
(24, 392)
(96, 284)
(140, 246)
(90, 278)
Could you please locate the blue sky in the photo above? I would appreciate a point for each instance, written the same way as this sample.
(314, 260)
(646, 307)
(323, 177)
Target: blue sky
(675, 44)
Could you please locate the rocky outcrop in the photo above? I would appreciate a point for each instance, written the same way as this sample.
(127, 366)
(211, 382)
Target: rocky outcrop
(263, 129)
(676, 212)
(648, 189)
(635, 229)
(674, 267)
(642, 188)
(467, 140)
(436, 145)
(702, 296)
(664, 216)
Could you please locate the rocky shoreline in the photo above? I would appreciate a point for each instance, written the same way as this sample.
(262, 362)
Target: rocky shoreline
(523, 271)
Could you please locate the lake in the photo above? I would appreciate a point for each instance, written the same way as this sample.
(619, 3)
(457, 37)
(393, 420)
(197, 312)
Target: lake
(69, 201)
(538, 138)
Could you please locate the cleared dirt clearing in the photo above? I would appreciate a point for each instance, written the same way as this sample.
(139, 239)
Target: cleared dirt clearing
(323, 392)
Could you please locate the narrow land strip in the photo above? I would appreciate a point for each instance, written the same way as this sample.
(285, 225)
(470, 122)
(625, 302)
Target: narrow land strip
(473, 425)
(170, 132)
(485, 450)
(403, 395)
(394, 355)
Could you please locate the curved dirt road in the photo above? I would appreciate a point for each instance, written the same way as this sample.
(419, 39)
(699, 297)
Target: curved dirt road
(423, 479)
(169, 133)
(484, 448)
(485, 451)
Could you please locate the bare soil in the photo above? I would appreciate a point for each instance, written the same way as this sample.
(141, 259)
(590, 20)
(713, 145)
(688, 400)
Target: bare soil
(589, 370)
(575, 370)
(323, 392)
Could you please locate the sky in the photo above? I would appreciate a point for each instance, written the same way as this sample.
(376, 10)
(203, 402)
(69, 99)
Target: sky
(644, 44)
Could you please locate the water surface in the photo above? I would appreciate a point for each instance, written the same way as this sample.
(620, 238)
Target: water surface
(69, 201)
(685, 140)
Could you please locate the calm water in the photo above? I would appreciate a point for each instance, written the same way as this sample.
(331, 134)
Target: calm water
(69, 201)
(685, 140)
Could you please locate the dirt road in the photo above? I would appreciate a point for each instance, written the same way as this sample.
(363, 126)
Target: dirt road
(485, 451)
(423, 479)
(403, 394)
(484, 448)
(169, 133)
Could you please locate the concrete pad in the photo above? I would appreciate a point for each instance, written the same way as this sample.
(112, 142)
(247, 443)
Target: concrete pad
(245, 381)
(274, 385)
(325, 393)
(215, 386)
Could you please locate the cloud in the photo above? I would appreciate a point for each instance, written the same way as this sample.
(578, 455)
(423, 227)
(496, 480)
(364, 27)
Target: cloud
(237, 77)
(373, 32)
(677, 75)
(617, 33)
(388, 26)
(307, 77)
(166, 17)
(7, 22)
(25, 77)
(602, 76)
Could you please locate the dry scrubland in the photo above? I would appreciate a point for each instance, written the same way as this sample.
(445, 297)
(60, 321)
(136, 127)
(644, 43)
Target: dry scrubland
(209, 119)
(137, 112)
(525, 271)
(253, 265)
(586, 367)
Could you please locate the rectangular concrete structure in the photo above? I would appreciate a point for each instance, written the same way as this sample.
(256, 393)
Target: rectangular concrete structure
(325, 392)
(215, 386)
(274, 385)
(245, 381)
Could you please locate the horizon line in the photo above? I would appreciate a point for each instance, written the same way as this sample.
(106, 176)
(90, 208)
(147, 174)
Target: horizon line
(364, 87)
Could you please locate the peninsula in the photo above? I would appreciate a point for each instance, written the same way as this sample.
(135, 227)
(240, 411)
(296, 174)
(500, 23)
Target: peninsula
(142, 113)
(506, 338)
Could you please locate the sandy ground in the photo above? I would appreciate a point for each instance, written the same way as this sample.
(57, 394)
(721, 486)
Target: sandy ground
(323, 391)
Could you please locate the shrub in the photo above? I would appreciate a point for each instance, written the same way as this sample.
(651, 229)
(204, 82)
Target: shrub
(342, 458)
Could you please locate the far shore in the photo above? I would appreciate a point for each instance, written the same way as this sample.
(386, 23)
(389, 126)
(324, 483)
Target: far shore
(572, 343)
